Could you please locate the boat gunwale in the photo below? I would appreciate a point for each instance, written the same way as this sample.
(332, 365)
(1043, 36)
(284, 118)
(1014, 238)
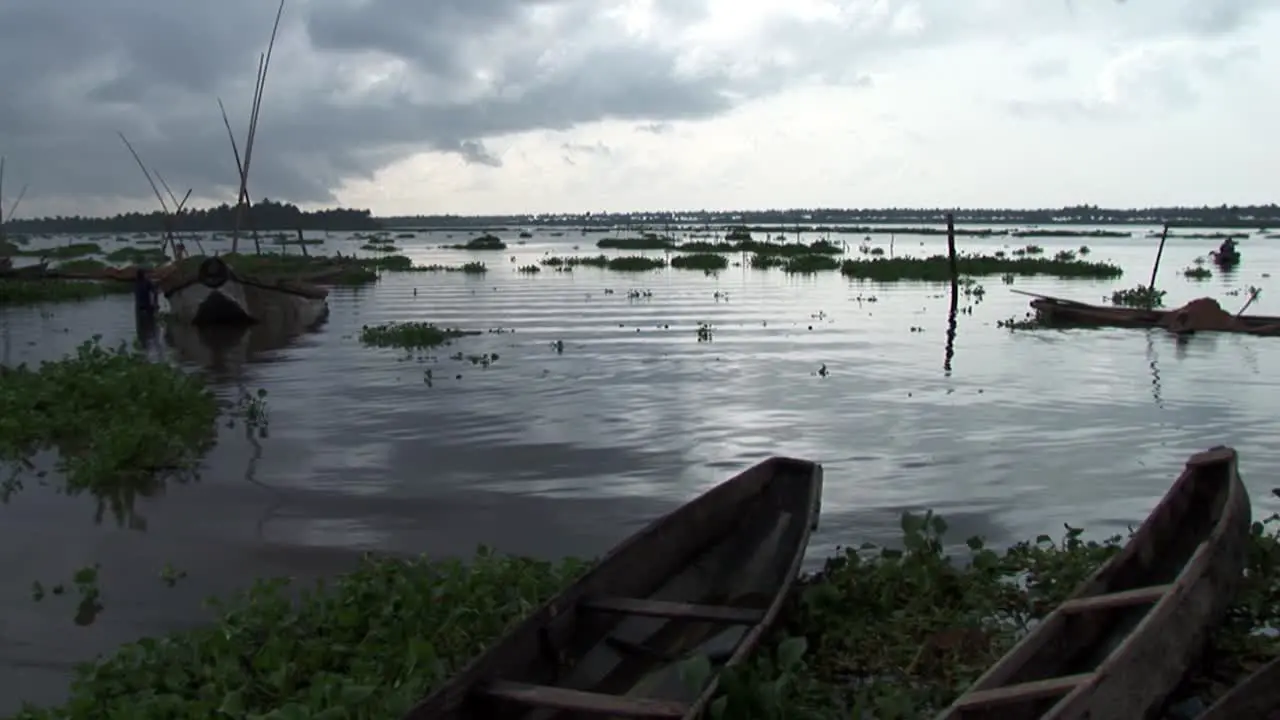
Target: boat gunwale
(450, 697)
(1196, 567)
(1242, 697)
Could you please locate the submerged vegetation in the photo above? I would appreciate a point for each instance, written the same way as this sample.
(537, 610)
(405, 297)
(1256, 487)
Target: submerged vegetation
(891, 633)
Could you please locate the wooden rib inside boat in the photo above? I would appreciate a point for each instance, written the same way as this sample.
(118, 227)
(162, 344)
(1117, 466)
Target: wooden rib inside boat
(708, 579)
(1256, 697)
(1121, 643)
(213, 293)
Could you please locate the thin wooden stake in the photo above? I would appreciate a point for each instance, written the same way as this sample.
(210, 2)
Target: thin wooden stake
(1155, 268)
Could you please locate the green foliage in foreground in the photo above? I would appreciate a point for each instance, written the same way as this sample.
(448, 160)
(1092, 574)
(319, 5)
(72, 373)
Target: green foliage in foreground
(892, 633)
(119, 422)
(410, 335)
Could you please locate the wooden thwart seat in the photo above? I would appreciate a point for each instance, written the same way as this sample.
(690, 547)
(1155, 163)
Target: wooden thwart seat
(1022, 692)
(1125, 598)
(555, 698)
(673, 610)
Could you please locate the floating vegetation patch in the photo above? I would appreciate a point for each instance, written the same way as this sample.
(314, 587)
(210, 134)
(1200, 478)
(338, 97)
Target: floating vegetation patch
(937, 268)
(700, 261)
(649, 241)
(1142, 296)
(484, 242)
(120, 423)
(1197, 272)
(63, 252)
(818, 247)
(136, 256)
(529, 269)
(379, 247)
(410, 335)
(31, 292)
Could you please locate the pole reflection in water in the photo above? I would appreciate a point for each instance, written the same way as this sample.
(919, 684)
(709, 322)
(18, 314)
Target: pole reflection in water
(1152, 362)
(950, 351)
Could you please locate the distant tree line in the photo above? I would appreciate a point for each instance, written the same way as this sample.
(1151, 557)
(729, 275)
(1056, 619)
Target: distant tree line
(264, 215)
(1222, 216)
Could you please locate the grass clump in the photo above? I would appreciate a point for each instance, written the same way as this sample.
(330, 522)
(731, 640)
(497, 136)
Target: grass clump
(136, 256)
(120, 423)
(937, 268)
(33, 292)
(626, 263)
(484, 242)
(707, 262)
(410, 335)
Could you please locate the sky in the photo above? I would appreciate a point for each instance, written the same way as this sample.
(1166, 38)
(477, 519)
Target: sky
(529, 106)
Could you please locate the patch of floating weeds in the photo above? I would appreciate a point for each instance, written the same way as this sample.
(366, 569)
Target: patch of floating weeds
(1084, 250)
(31, 292)
(1030, 321)
(639, 294)
(484, 242)
(649, 241)
(528, 269)
(62, 252)
(410, 335)
(1141, 296)
(252, 411)
(1028, 250)
(120, 424)
(700, 261)
(938, 268)
(809, 264)
(380, 247)
(759, 247)
(88, 593)
(705, 332)
(635, 263)
(1197, 272)
(136, 256)
(886, 632)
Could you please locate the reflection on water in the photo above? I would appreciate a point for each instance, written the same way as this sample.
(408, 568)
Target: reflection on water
(554, 453)
(225, 350)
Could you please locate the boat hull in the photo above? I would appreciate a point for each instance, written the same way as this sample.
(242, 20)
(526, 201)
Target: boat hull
(708, 579)
(1257, 696)
(1122, 641)
(1068, 313)
(217, 295)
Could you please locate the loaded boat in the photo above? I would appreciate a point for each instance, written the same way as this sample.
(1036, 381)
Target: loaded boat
(1118, 646)
(1203, 314)
(709, 579)
(215, 294)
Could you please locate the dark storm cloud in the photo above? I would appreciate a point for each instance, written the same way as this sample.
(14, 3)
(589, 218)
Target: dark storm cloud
(82, 69)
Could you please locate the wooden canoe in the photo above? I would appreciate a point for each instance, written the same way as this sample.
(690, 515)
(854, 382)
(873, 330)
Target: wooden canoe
(1123, 640)
(707, 579)
(1057, 311)
(1257, 697)
(211, 292)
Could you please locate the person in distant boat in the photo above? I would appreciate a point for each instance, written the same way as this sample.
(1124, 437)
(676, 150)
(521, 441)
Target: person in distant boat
(1228, 247)
(145, 296)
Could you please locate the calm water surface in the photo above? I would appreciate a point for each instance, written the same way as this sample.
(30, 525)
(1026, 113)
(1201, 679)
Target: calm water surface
(566, 453)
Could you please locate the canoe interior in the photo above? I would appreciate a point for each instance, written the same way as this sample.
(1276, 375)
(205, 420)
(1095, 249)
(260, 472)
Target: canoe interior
(737, 547)
(1069, 647)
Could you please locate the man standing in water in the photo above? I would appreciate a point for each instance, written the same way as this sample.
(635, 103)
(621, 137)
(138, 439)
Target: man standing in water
(145, 296)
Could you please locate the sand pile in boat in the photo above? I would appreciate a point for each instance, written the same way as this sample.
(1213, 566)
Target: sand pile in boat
(1200, 314)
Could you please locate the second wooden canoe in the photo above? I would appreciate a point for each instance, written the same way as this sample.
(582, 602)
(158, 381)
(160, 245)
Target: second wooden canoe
(1123, 640)
(708, 579)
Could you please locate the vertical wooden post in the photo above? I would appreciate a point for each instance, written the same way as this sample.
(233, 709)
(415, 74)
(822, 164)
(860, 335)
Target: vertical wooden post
(1155, 268)
(954, 310)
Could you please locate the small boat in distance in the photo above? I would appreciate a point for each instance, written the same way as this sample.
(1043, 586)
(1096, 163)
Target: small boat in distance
(215, 294)
(1121, 643)
(1226, 256)
(707, 580)
(1257, 697)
